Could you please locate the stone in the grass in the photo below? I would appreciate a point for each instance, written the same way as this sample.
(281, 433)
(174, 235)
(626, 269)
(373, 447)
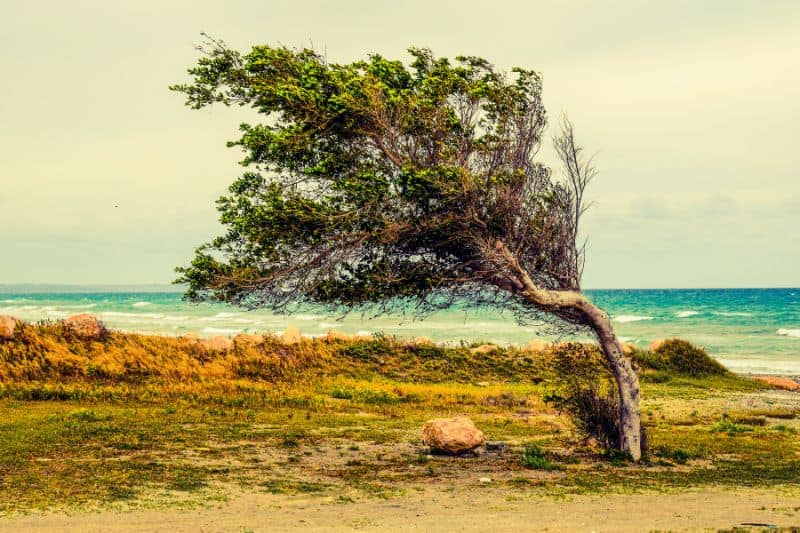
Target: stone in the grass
(452, 435)
(85, 326)
(7, 326)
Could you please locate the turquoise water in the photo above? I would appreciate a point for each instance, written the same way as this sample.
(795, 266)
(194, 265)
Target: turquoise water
(749, 330)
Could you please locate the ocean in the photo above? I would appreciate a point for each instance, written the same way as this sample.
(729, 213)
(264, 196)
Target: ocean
(748, 330)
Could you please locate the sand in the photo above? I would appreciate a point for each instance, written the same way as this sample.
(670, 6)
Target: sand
(463, 510)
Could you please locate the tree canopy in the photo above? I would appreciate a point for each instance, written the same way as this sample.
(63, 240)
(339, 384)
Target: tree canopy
(378, 181)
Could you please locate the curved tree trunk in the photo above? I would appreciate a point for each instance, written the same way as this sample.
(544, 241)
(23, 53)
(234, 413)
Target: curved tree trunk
(627, 382)
(630, 438)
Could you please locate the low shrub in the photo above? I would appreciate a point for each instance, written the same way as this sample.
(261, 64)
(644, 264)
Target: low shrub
(682, 358)
(534, 458)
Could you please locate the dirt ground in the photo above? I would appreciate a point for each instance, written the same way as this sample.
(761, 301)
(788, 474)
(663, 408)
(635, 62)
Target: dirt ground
(464, 510)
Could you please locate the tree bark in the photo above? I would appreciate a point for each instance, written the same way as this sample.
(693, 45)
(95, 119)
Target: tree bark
(627, 381)
(630, 438)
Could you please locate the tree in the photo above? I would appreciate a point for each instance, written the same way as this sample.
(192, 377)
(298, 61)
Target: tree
(384, 184)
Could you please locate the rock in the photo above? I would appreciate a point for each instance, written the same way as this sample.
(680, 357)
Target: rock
(628, 348)
(485, 480)
(656, 344)
(780, 382)
(495, 446)
(334, 335)
(291, 335)
(246, 341)
(537, 345)
(85, 326)
(452, 435)
(7, 326)
(484, 349)
(218, 344)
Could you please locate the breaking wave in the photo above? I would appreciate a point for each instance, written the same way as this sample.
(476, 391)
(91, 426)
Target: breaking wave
(789, 332)
(686, 314)
(632, 318)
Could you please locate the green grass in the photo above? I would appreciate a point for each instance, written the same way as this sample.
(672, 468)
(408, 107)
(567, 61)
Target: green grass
(354, 428)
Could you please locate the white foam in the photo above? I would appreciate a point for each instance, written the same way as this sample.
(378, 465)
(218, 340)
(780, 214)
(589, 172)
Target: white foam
(686, 314)
(632, 318)
(327, 325)
(120, 314)
(732, 313)
(141, 304)
(225, 315)
(178, 318)
(789, 332)
(306, 317)
(222, 331)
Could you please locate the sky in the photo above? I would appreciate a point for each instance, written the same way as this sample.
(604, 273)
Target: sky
(690, 108)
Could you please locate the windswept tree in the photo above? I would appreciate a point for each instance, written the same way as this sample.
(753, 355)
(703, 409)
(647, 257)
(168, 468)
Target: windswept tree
(380, 183)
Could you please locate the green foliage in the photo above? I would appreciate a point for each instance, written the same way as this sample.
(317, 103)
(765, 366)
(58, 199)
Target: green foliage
(589, 394)
(378, 181)
(534, 458)
(681, 358)
(728, 426)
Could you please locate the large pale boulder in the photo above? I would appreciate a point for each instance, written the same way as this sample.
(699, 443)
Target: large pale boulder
(537, 345)
(218, 344)
(291, 335)
(780, 382)
(85, 326)
(7, 326)
(452, 435)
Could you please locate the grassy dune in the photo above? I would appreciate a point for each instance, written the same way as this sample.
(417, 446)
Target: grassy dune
(138, 420)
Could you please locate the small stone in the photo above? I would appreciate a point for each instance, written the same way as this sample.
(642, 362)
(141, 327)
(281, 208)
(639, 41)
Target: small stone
(7, 326)
(485, 480)
(495, 446)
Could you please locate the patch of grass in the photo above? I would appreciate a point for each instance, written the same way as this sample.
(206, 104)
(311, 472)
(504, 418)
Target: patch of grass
(534, 458)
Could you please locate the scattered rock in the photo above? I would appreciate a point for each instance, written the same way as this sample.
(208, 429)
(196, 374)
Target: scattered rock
(218, 344)
(484, 349)
(537, 345)
(246, 341)
(7, 326)
(452, 435)
(291, 335)
(656, 344)
(495, 446)
(482, 384)
(85, 326)
(780, 382)
(485, 480)
(420, 341)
